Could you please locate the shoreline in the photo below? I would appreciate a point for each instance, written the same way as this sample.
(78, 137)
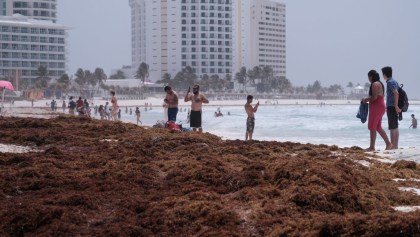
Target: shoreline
(403, 153)
(158, 102)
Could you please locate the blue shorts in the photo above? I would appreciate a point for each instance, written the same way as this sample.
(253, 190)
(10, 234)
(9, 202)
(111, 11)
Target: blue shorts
(172, 112)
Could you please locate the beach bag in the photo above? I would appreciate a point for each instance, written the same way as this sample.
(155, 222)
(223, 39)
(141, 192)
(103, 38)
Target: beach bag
(173, 126)
(402, 99)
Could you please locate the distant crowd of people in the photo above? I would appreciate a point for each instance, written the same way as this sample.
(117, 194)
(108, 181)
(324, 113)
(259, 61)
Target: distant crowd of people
(378, 105)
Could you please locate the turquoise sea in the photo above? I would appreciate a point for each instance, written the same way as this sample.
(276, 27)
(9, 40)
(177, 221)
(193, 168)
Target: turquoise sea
(327, 124)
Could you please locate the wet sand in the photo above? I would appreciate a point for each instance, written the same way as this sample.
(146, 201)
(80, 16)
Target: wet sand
(83, 177)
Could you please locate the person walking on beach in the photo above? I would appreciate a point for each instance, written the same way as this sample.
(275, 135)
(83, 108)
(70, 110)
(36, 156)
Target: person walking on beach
(171, 99)
(137, 112)
(250, 121)
(197, 99)
(114, 112)
(101, 112)
(64, 106)
(392, 109)
(376, 110)
(413, 122)
(72, 106)
(80, 104)
(106, 111)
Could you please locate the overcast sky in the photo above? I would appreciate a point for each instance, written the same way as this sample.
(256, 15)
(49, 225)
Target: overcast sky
(332, 41)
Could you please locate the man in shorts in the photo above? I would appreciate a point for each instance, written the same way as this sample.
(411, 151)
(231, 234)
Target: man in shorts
(197, 99)
(392, 109)
(250, 121)
(171, 99)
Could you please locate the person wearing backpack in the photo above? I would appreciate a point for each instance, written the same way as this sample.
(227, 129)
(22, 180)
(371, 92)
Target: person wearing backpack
(392, 109)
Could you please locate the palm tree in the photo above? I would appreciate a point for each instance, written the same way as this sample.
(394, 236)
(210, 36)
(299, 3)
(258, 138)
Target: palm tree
(83, 79)
(64, 83)
(143, 72)
(119, 75)
(166, 79)
(43, 77)
(99, 75)
(241, 77)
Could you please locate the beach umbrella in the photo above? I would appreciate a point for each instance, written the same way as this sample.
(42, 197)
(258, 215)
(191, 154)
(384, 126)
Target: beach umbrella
(3, 86)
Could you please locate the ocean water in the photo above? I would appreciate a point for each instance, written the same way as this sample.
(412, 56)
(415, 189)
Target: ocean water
(328, 124)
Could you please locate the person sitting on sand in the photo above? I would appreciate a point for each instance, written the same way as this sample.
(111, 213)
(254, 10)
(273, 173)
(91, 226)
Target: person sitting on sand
(250, 121)
(413, 122)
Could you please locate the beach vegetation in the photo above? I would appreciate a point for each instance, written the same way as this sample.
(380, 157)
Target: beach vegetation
(43, 78)
(118, 75)
(143, 72)
(119, 179)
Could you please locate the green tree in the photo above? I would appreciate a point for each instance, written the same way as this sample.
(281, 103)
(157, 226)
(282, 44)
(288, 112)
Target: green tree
(83, 79)
(241, 77)
(99, 76)
(64, 83)
(166, 79)
(119, 75)
(42, 78)
(143, 72)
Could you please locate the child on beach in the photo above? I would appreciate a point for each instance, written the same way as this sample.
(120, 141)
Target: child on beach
(413, 122)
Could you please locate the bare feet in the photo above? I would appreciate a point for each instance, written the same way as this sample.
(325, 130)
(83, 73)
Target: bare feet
(388, 147)
(370, 149)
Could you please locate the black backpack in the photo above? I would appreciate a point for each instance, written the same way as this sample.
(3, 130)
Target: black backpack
(402, 99)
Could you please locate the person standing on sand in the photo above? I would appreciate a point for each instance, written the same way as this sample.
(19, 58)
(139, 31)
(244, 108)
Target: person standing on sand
(250, 121)
(137, 112)
(72, 106)
(413, 122)
(376, 110)
(64, 106)
(392, 109)
(106, 111)
(197, 99)
(80, 105)
(114, 112)
(171, 99)
(101, 112)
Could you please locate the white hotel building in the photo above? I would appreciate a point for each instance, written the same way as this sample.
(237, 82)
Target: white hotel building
(35, 9)
(268, 35)
(210, 36)
(27, 43)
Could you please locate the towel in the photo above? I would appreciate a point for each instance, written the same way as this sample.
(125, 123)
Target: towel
(362, 114)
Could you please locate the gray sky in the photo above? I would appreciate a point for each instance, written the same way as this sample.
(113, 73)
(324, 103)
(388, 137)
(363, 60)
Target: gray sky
(332, 41)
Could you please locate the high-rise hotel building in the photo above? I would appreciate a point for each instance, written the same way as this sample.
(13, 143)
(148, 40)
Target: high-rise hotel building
(35, 9)
(172, 34)
(210, 36)
(268, 35)
(33, 40)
